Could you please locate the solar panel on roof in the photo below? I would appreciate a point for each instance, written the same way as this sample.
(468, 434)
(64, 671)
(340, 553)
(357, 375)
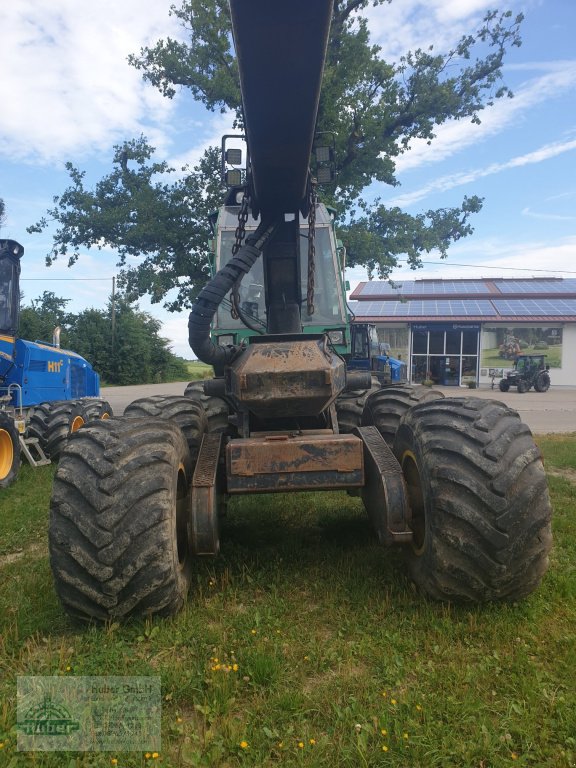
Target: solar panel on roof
(537, 307)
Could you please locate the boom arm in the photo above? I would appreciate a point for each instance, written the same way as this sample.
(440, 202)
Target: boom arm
(281, 48)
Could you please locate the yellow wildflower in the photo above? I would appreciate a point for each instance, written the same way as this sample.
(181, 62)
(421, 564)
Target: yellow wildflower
(384, 748)
(243, 744)
(300, 745)
(384, 732)
(155, 755)
(393, 702)
(312, 741)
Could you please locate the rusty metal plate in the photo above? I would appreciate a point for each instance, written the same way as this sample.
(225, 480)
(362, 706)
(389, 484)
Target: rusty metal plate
(280, 463)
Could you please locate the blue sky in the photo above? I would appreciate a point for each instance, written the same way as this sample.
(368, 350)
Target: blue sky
(67, 93)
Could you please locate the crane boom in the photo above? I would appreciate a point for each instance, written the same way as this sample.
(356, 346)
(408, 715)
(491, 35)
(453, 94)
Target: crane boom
(281, 52)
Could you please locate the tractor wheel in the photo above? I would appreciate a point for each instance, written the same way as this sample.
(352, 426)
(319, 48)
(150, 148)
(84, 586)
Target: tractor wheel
(97, 408)
(53, 423)
(385, 408)
(9, 451)
(350, 406)
(118, 533)
(542, 382)
(504, 385)
(522, 386)
(183, 411)
(479, 500)
(216, 408)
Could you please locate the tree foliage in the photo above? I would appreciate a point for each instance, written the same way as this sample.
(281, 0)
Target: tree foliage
(134, 354)
(374, 108)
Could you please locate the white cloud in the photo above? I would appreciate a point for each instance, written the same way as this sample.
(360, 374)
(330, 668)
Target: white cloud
(450, 181)
(66, 87)
(456, 136)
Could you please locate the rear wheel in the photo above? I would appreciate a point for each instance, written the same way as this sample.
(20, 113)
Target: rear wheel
(385, 408)
(504, 385)
(186, 413)
(97, 408)
(118, 535)
(217, 410)
(350, 407)
(9, 451)
(542, 383)
(479, 500)
(53, 423)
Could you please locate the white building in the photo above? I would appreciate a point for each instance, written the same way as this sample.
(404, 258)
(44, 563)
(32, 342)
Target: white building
(456, 331)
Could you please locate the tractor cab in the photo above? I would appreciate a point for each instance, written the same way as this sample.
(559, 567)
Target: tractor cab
(10, 255)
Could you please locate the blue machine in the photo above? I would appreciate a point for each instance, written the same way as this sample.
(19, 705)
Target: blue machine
(34, 372)
(368, 354)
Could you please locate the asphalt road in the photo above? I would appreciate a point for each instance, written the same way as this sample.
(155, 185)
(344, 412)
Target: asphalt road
(548, 412)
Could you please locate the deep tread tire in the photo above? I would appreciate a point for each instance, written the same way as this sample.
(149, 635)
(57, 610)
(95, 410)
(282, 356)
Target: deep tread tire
(542, 382)
(183, 411)
(53, 423)
(9, 451)
(479, 499)
(385, 408)
(350, 407)
(96, 408)
(523, 386)
(217, 409)
(118, 537)
(504, 385)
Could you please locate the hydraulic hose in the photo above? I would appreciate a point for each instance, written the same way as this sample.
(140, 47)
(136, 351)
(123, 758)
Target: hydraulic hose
(214, 292)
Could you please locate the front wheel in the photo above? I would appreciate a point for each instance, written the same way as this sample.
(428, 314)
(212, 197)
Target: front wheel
(504, 385)
(9, 451)
(118, 532)
(479, 500)
(542, 383)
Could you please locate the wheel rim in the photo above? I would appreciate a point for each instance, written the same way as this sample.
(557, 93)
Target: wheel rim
(77, 422)
(182, 516)
(6, 454)
(415, 500)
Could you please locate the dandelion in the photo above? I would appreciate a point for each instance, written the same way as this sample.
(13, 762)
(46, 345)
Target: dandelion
(384, 694)
(147, 755)
(306, 658)
(68, 668)
(357, 727)
(418, 708)
(234, 667)
(114, 761)
(280, 745)
(1, 745)
(312, 742)
(155, 755)
(384, 732)
(243, 744)
(514, 756)
(300, 745)
(252, 631)
(393, 702)
(385, 747)
(405, 736)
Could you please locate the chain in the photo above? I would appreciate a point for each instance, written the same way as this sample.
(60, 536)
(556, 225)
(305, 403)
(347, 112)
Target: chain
(240, 234)
(311, 251)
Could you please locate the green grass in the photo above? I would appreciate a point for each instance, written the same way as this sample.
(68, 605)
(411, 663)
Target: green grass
(199, 370)
(332, 644)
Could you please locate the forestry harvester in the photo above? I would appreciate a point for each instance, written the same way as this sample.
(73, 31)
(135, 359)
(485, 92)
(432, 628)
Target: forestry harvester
(45, 392)
(458, 484)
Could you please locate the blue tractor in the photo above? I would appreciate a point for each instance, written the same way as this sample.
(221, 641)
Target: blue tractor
(45, 392)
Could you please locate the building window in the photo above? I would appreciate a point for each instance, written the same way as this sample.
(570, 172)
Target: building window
(445, 355)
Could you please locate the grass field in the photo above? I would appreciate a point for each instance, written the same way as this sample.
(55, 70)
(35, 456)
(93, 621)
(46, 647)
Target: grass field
(199, 370)
(304, 645)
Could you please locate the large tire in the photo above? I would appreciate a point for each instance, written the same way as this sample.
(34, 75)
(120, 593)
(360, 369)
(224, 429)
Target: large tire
(96, 408)
(542, 382)
(479, 500)
(350, 407)
(217, 409)
(523, 386)
(9, 451)
(183, 411)
(118, 534)
(385, 408)
(504, 385)
(53, 423)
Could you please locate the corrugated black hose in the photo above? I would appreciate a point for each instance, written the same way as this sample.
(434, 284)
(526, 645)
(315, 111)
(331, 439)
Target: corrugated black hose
(214, 292)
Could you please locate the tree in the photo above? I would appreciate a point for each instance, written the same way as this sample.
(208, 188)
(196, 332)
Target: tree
(2, 213)
(374, 108)
(138, 354)
(42, 317)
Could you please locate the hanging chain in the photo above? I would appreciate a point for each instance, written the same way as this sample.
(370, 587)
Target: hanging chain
(240, 234)
(311, 251)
